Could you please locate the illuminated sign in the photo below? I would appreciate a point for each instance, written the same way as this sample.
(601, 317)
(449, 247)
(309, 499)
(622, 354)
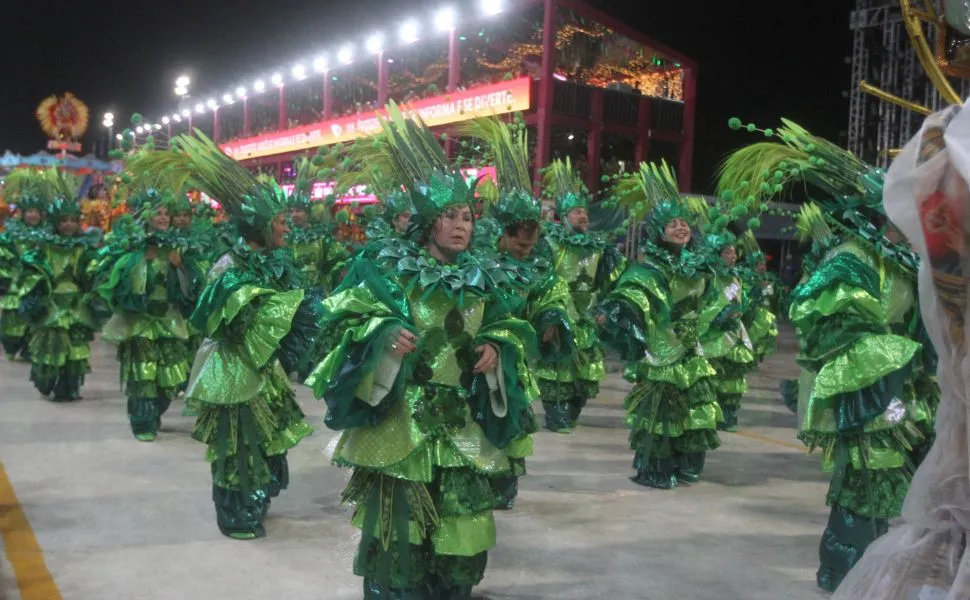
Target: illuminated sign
(493, 99)
(360, 194)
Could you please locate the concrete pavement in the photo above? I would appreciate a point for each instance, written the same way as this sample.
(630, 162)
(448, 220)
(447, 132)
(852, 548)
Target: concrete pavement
(117, 518)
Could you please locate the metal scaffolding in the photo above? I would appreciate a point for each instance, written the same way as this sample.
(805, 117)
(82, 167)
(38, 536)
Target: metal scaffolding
(883, 56)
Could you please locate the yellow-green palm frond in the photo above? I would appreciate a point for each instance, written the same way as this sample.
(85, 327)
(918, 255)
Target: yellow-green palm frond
(810, 224)
(508, 149)
(559, 179)
(759, 171)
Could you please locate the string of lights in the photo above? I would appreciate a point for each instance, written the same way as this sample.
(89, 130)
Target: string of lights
(444, 20)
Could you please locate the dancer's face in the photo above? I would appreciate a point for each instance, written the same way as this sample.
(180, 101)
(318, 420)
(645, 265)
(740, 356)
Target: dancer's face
(68, 225)
(730, 256)
(182, 220)
(160, 220)
(299, 217)
(32, 217)
(578, 220)
(280, 229)
(522, 243)
(453, 230)
(677, 231)
(401, 222)
(761, 268)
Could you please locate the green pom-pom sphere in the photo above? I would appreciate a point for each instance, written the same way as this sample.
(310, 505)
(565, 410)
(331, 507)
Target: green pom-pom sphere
(779, 175)
(763, 207)
(318, 160)
(136, 119)
(754, 223)
(751, 128)
(769, 133)
(734, 123)
(728, 195)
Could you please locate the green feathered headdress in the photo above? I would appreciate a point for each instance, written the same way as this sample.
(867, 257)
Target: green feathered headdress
(652, 190)
(396, 203)
(196, 162)
(563, 184)
(300, 199)
(28, 189)
(410, 154)
(508, 149)
(65, 190)
(145, 202)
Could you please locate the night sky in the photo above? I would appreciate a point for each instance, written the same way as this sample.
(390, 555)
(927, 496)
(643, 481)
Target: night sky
(759, 59)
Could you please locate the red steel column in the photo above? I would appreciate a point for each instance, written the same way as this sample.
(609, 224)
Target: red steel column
(246, 123)
(382, 80)
(215, 125)
(641, 150)
(687, 145)
(282, 119)
(594, 141)
(544, 101)
(327, 96)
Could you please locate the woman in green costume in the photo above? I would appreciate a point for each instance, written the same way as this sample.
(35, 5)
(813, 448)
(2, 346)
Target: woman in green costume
(258, 323)
(759, 290)
(316, 253)
(864, 394)
(150, 282)
(726, 344)
(30, 194)
(590, 265)
(60, 273)
(654, 318)
(426, 380)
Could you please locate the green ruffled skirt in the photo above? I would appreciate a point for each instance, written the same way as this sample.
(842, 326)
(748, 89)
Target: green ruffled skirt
(60, 358)
(13, 333)
(247, 452)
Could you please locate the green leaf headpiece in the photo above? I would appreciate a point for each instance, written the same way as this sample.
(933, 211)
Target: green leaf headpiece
(562, 183)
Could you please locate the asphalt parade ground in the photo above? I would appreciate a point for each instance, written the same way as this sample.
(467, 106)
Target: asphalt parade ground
(89, 513)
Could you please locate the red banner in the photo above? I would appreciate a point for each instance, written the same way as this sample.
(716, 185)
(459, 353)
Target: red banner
(493, 99)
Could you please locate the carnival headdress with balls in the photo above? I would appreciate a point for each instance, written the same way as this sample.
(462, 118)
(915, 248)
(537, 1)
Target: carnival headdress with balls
(65, 189)
(507, 147)
(196, 162)
(651, 192)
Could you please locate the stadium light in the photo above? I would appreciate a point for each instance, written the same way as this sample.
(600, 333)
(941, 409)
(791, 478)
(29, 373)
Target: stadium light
(165, 120)
(200, 108)
(444, 19)
(109, 117)
(227, 98)
(345, 55)
(182, 81)
(492, 7)
(320, 64)
(181, 90)
(409, 32)
(177, 118)
(259, 85)
(375, 43)
(186, 113)
(118, 137)
(299, 72)
(277, 79)
(139, 129)
(212, 103)
(240, 92)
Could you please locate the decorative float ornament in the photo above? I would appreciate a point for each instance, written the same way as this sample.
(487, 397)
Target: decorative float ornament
(63, 118)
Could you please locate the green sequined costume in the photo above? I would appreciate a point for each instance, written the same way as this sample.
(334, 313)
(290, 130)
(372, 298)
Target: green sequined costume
(866, 396)
(655, 318)
(758, 318)
(257, 326)
(319, 256)
(425, 435)
(16, 240)
(57, 279)
(590, 266)
(149, 299)
(726, 344)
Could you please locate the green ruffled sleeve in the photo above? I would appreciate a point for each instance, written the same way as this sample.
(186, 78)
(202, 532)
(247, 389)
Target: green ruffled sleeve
(548, 306)
(515, 340)
(637, 308)
(126, 286)
(361, 324)
(245, 325)
(845, 340)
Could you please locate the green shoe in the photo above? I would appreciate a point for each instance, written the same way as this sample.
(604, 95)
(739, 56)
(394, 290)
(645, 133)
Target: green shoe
(146, 437)
(243, 535)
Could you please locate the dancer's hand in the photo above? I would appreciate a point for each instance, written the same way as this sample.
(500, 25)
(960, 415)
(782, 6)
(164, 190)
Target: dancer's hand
(549, 334)
(175, 258)
(600, 319)
(488, 360)
(403, 342)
